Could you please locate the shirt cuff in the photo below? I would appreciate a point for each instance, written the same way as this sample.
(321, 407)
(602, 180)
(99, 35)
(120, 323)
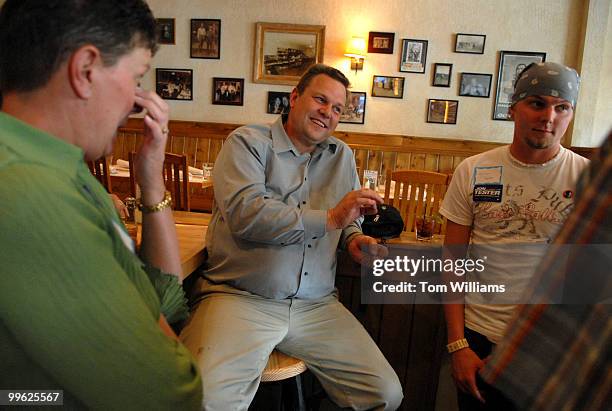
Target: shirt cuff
(315, 223)
(173, 303)
(349, 232)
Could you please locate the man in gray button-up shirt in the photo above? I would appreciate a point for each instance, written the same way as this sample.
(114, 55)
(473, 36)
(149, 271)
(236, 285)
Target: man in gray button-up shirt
(286, 196)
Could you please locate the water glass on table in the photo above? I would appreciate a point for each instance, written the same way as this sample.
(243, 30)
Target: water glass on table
(207, 169)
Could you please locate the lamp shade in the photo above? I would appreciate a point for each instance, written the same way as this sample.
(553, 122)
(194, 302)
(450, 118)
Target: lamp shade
(356, 48)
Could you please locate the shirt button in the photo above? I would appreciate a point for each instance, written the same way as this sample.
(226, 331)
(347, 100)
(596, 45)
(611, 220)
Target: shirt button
(309, 246)
(303, 202)
(306, 273)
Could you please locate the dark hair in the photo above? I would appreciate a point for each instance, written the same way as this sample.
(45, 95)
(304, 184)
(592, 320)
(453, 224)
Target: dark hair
(317, 69)
(37, 36)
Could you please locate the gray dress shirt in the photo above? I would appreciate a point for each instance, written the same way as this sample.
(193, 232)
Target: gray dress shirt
(267, 233)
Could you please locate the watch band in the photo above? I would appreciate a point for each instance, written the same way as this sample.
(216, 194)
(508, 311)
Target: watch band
(457, 345)
(166, 202)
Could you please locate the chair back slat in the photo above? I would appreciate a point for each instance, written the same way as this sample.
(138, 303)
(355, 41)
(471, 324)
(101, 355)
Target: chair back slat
(100, 168)
(416, 192)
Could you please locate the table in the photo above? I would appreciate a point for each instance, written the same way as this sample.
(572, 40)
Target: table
(191, 218)
(123, 175)
(192, 242)
(409, 238)
(411, 336)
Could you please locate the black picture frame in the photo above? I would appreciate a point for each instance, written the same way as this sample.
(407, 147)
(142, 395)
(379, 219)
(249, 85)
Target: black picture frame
(511, 63)
(205, 39)
(442, 73)
(278, 102)
(174, 84)
(380, 42)
(228, 91)
(475, 85)
(442, 111)
(165, 29)
(470, 43)
(388, 86)
(354, 110)
(414, 56)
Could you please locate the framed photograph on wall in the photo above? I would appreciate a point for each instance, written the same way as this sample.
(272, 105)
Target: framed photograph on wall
(442, 75)
(379, 42)
(511, 63)
(475, 85)
(387, 86)
(205, 39)
(228, 91)
(442, 111)
(278, 102)
(174, 84)
(283, 52)
(165, 31)
(470, 43)
(354, 111)
(414, 56)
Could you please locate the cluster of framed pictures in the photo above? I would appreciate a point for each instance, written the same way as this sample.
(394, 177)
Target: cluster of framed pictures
(283, 52)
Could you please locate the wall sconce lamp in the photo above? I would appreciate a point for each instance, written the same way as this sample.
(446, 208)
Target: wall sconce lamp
(356, 50)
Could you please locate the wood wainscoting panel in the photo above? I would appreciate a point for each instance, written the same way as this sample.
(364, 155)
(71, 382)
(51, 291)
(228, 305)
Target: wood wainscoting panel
(202, 141)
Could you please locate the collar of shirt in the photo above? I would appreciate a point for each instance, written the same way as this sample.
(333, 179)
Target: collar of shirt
(281, 141)
(37, 145)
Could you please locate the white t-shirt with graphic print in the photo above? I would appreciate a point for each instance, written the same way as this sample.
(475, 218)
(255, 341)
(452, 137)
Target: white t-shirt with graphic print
(508, 202)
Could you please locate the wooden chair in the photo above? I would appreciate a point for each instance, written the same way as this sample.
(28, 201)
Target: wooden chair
(176, 177)
(100, 168)
(416, 193)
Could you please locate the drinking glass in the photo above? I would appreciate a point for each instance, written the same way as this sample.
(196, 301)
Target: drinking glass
(207, 169)
(424, 227)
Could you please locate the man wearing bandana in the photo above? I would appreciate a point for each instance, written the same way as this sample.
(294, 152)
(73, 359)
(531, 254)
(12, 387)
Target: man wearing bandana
(507, 204)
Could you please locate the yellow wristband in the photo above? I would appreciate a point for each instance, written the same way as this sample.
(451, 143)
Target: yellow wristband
(457, 345)
(166, 202)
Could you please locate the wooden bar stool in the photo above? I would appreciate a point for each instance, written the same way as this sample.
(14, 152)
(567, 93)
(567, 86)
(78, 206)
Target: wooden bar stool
(281, 367)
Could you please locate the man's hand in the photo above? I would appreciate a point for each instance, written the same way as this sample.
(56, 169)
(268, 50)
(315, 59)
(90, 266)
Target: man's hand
(352, 206)
(465, 366)
(372, 249)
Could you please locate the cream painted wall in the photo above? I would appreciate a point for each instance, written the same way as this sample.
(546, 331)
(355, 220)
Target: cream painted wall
(552, 26)
(557, 27)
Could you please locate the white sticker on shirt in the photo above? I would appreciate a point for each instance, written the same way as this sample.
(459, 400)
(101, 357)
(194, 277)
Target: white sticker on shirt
(127, 240)
(488, 175)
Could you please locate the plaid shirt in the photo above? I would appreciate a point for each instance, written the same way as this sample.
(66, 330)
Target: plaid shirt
(558, 356)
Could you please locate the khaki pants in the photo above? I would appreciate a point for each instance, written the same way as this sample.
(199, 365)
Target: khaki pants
(231, 333)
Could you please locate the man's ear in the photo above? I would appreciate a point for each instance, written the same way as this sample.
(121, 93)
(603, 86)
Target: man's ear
(293, 97)
(81, 69)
